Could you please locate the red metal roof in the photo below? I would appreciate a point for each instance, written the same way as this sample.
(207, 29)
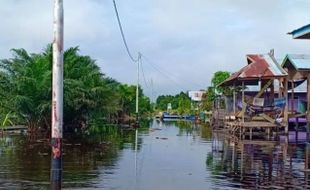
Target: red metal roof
(260, 66)
(252, 58)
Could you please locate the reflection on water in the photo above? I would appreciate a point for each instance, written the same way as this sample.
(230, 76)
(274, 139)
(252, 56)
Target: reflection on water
(170, 155)
(257, 164)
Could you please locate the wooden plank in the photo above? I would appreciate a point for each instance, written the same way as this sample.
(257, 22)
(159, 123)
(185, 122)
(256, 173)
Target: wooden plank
(297, 115)
(308, 105)
(257, 142)
(261, 92)
(13, 128)
(268, 118)
(258, 124)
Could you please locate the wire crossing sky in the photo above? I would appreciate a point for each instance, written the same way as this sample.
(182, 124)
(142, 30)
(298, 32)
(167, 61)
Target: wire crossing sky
(123, 35)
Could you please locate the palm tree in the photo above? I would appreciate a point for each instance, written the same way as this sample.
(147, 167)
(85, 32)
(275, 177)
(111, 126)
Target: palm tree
(26, 87)
(90, 98)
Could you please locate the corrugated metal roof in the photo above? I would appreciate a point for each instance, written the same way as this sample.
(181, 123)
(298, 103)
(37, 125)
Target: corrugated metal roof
(260, 66)
(301, 33)
(252, 58)
(299, 61)
(270, 63)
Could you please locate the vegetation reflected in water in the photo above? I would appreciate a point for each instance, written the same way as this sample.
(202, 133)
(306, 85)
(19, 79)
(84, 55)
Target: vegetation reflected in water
(190, 156)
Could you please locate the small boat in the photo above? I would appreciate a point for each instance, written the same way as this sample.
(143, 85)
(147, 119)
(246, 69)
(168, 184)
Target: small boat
(190, 117)
(168, 116)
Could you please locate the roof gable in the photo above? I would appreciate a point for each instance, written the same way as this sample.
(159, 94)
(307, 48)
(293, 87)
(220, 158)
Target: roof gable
(260, 66)
(301, 33)
(297, 62)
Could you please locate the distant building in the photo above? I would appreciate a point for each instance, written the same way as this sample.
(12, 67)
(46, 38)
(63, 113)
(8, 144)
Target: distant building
(196, 96)
(169, 107)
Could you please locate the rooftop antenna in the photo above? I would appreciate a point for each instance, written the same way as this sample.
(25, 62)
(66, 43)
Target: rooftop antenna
(271, 52)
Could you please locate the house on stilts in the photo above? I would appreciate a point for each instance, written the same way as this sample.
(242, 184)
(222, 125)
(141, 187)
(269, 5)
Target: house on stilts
(299, 68)
(264, 109)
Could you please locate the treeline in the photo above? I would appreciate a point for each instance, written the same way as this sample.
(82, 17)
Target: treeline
(90, 97)
(181, 103)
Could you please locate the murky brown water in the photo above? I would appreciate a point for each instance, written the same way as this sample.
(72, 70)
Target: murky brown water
(169, 156)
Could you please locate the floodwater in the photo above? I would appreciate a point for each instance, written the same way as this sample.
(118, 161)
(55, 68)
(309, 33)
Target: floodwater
(167, 156)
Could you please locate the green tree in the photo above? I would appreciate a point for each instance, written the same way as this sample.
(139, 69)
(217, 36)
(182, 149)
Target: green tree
(208, 98)
(218, 78)
(180, 103)
(162, 102)
(210, 95)
(128, 101)
(88, 94)
(27, 80)
(184, 103)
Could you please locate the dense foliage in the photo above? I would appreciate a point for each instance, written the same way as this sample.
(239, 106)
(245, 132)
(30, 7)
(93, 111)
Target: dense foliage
(218, 78)
(210, 95)
(90, 97)
(180, 103)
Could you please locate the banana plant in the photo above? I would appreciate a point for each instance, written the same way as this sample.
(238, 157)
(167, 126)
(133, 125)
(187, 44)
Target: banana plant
(6, 120)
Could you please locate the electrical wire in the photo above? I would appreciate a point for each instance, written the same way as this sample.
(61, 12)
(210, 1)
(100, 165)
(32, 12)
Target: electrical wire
(122, 33)
(161, 72)
(139, 55)
(166, 74)
(143, 74)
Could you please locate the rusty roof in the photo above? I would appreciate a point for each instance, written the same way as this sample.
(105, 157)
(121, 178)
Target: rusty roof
(260, 66)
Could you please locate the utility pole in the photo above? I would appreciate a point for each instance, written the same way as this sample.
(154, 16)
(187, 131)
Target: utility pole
(57, 96)
(153, 100)
(137, 90)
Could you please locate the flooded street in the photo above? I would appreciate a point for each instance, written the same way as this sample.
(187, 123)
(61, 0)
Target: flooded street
(170, 155)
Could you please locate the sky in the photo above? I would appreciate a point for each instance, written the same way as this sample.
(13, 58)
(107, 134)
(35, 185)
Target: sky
(183, 42)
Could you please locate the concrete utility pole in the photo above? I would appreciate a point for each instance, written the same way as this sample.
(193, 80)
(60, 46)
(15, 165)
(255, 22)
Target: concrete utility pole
(57, 96)
(137, 91)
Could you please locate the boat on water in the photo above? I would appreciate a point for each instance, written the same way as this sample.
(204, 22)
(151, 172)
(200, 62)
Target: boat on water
(190, 117)
(168, 117)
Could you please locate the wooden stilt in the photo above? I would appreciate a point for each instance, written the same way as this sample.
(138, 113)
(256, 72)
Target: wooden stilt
(234, 99)
(307, 156)
(308, 106)
(243, 101)
(251, 132)
(286, 104)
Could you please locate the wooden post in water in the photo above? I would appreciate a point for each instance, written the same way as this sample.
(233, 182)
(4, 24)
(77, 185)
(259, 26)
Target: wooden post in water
(241, 160)
(308, 105)
(272, 91)
(286, 120)
(307, 151)
(234, 99)
(57, 97)
(243, 101)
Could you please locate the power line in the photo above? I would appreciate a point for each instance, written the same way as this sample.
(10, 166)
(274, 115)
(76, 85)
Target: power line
(122, 33)
(161, 72)
(139, 55)
(143, 74)
(169, 75)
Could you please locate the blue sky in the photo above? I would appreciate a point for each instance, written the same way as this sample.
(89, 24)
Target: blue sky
(186, 41)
